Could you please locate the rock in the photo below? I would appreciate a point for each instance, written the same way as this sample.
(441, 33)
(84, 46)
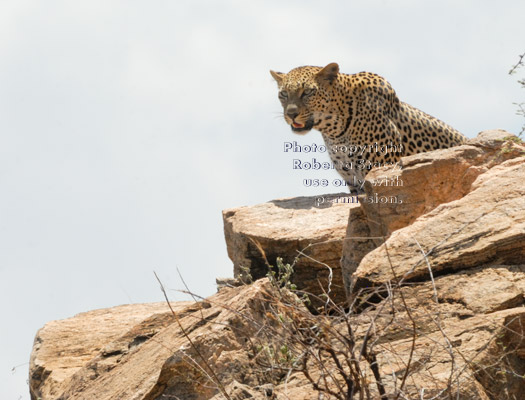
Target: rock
(238, 391)
(465, 326)
(484, 290)
(465, 352)
(485, 227)
(257, 235)
(141, 352)
(461, 214)
(427, 180)
(228, 282)
(223, 338)
(357, 244)
(62, 348)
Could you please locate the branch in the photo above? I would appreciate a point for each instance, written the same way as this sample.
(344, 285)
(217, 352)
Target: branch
(212, 373)
(518, 65)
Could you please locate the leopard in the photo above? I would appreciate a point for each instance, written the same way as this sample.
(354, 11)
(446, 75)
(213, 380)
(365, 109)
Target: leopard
(361, 119)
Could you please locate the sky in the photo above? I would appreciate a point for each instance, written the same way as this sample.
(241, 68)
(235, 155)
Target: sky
(126, 127)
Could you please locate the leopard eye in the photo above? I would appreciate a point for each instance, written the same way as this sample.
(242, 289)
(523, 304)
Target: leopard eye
(283, 94)
(308, 92)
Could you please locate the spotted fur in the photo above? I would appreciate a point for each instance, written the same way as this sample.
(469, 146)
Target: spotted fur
(357, 111)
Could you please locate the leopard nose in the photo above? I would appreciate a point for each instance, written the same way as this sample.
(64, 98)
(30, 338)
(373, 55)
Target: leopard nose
(292, 111)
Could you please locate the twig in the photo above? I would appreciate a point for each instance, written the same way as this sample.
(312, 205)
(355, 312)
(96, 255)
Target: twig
(194, 347)
(189, 292)
(519, 64)
(330, 274)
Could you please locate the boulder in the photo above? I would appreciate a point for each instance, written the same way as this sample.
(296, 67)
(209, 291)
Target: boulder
(306, 232)
(445, 186)
(453, 242)
(485, 227)
(467, 327)
(146, 352)
(427, 180)
(62, 348)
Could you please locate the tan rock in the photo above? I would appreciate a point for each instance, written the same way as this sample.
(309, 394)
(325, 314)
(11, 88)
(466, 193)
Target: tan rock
(427, 180)
(462, 215)
(484, 290)
(468, 328)
(63, 347)
(485, 227)
(357, 244)
(460, 351)
(216, 352)
(238, 391)
(156, 358)
(284, 228)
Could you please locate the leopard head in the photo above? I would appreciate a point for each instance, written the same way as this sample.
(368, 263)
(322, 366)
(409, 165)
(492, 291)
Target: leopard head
(305, 94)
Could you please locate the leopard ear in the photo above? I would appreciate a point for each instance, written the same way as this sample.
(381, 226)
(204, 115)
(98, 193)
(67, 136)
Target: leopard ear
(328, 73)
(278, 76)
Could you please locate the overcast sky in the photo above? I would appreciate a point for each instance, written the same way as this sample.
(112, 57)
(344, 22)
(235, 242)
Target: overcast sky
(127, 126)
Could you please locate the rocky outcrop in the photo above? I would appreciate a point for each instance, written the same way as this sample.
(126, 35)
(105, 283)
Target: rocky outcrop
(306, 232)
(146, 352)
(479, 221)
(453, 242)
(434, 279)
(427, 180)
(485, 227)
(63, 349)
(235, 344)
(467, 342)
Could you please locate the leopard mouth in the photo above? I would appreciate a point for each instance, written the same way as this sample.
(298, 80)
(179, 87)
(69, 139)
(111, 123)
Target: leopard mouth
(300, 127)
